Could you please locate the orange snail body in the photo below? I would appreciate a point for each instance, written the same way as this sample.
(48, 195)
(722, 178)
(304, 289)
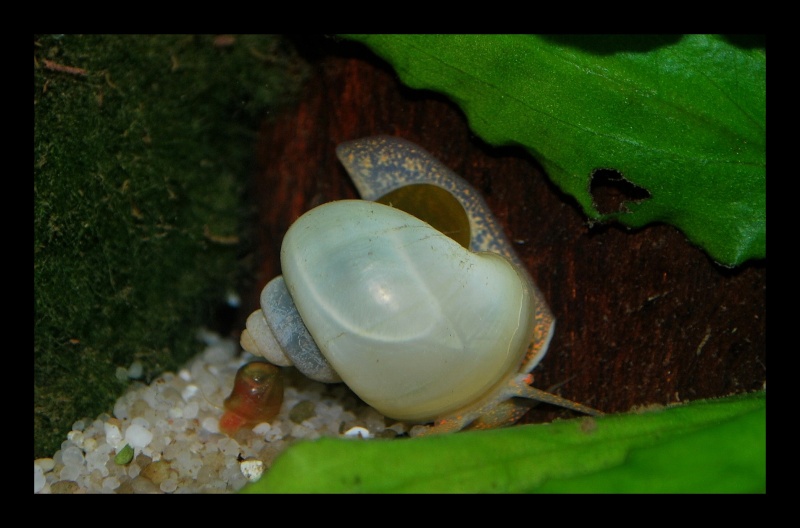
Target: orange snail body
(256, 397)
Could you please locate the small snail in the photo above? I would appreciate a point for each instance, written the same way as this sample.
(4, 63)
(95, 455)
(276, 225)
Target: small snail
(420, 306)
(256, 397)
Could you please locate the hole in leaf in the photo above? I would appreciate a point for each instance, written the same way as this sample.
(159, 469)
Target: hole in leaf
(610, 191)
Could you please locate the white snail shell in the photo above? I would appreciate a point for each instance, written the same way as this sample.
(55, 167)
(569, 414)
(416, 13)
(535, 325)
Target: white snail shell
(418, 326)
(397, 307)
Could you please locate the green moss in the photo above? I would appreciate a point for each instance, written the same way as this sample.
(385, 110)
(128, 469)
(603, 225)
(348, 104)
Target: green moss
(141, 148)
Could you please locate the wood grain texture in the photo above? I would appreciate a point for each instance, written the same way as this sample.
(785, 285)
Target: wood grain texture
(643, 317)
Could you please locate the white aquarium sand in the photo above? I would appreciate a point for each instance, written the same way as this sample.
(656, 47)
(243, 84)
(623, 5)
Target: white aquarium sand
(172, 426)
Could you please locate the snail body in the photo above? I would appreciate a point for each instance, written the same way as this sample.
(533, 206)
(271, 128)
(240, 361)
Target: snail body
(423, 326)
(256, 397)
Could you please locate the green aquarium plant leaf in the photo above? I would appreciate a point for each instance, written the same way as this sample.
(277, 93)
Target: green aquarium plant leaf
(709, 446)
(681, 117)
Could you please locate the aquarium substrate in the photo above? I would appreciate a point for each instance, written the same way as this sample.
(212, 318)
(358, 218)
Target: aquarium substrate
(170, 428)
